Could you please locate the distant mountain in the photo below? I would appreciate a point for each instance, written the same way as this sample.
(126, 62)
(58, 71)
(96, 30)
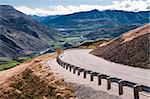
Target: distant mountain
(98, 24)
(41, 18)
(19, 33)
(114, 17)
(131, 48)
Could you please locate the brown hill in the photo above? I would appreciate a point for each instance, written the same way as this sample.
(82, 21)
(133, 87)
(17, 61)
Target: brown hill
(131, 48)
(34, 80)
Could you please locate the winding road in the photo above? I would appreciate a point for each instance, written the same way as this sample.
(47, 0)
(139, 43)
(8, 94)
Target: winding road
(82, 58)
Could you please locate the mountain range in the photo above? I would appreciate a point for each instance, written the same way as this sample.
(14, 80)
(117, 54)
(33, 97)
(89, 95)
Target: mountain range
(97, 24)
(21, 34)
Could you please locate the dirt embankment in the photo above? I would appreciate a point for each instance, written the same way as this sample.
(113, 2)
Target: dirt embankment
(33, 80)
(131, 48)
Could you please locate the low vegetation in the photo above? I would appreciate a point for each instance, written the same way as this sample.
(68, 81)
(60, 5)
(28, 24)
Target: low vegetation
(92, 44)
(7, 64)
(36, 82)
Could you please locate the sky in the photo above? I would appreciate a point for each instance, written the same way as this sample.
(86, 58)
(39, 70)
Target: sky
(61, 7)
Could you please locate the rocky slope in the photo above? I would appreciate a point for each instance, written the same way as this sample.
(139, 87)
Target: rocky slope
(19, 33)
(131, 48)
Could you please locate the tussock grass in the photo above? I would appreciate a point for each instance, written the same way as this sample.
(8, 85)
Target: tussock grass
(36, 82)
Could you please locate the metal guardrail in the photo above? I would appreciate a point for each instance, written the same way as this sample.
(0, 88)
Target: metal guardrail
(136, 87)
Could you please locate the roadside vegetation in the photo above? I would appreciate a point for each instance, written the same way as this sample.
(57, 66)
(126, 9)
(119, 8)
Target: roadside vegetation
(37, 81)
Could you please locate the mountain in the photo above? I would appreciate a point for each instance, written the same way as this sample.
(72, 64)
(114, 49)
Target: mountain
(111, 16)
(98, 24)
(21, 34)
(131, 48)
(41, 18)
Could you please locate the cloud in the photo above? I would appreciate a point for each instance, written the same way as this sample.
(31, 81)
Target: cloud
(131, 5)
(126, 5)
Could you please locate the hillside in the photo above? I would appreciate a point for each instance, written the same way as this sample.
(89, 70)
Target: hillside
(92, 44)
(131, 48)
(113, 17)
(91, 25)
(33, 80)
(21, 34)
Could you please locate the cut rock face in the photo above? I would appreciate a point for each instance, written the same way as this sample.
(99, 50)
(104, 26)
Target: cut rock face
(131, 48)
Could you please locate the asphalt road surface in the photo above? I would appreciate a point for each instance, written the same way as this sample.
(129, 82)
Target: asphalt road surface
(82, 58)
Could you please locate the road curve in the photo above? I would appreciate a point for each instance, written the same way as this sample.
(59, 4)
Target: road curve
(82, 58)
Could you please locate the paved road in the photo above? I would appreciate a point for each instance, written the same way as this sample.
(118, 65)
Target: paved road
(81, 58)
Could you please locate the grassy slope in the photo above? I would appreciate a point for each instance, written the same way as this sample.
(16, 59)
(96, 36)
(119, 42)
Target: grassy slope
(92, 44)
(8, 65)
(36, 82)
(12, 63)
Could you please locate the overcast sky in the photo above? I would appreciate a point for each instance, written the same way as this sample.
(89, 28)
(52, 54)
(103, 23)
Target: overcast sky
(58, 7)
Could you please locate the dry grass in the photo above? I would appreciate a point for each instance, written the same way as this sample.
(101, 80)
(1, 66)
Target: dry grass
(37, 82)
(132, 48)
(92, 45)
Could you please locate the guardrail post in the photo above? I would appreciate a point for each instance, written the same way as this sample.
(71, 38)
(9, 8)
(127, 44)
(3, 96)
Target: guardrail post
(92, 75)
(110, 80)
(74, 69)
(137, 89)
(60, 63)
(71, 66)
(80, 70)
(121, 84)
(63, 65)
(67, 65)
(101, 76)
(109, 83)
(85, 72)
(99, 80)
